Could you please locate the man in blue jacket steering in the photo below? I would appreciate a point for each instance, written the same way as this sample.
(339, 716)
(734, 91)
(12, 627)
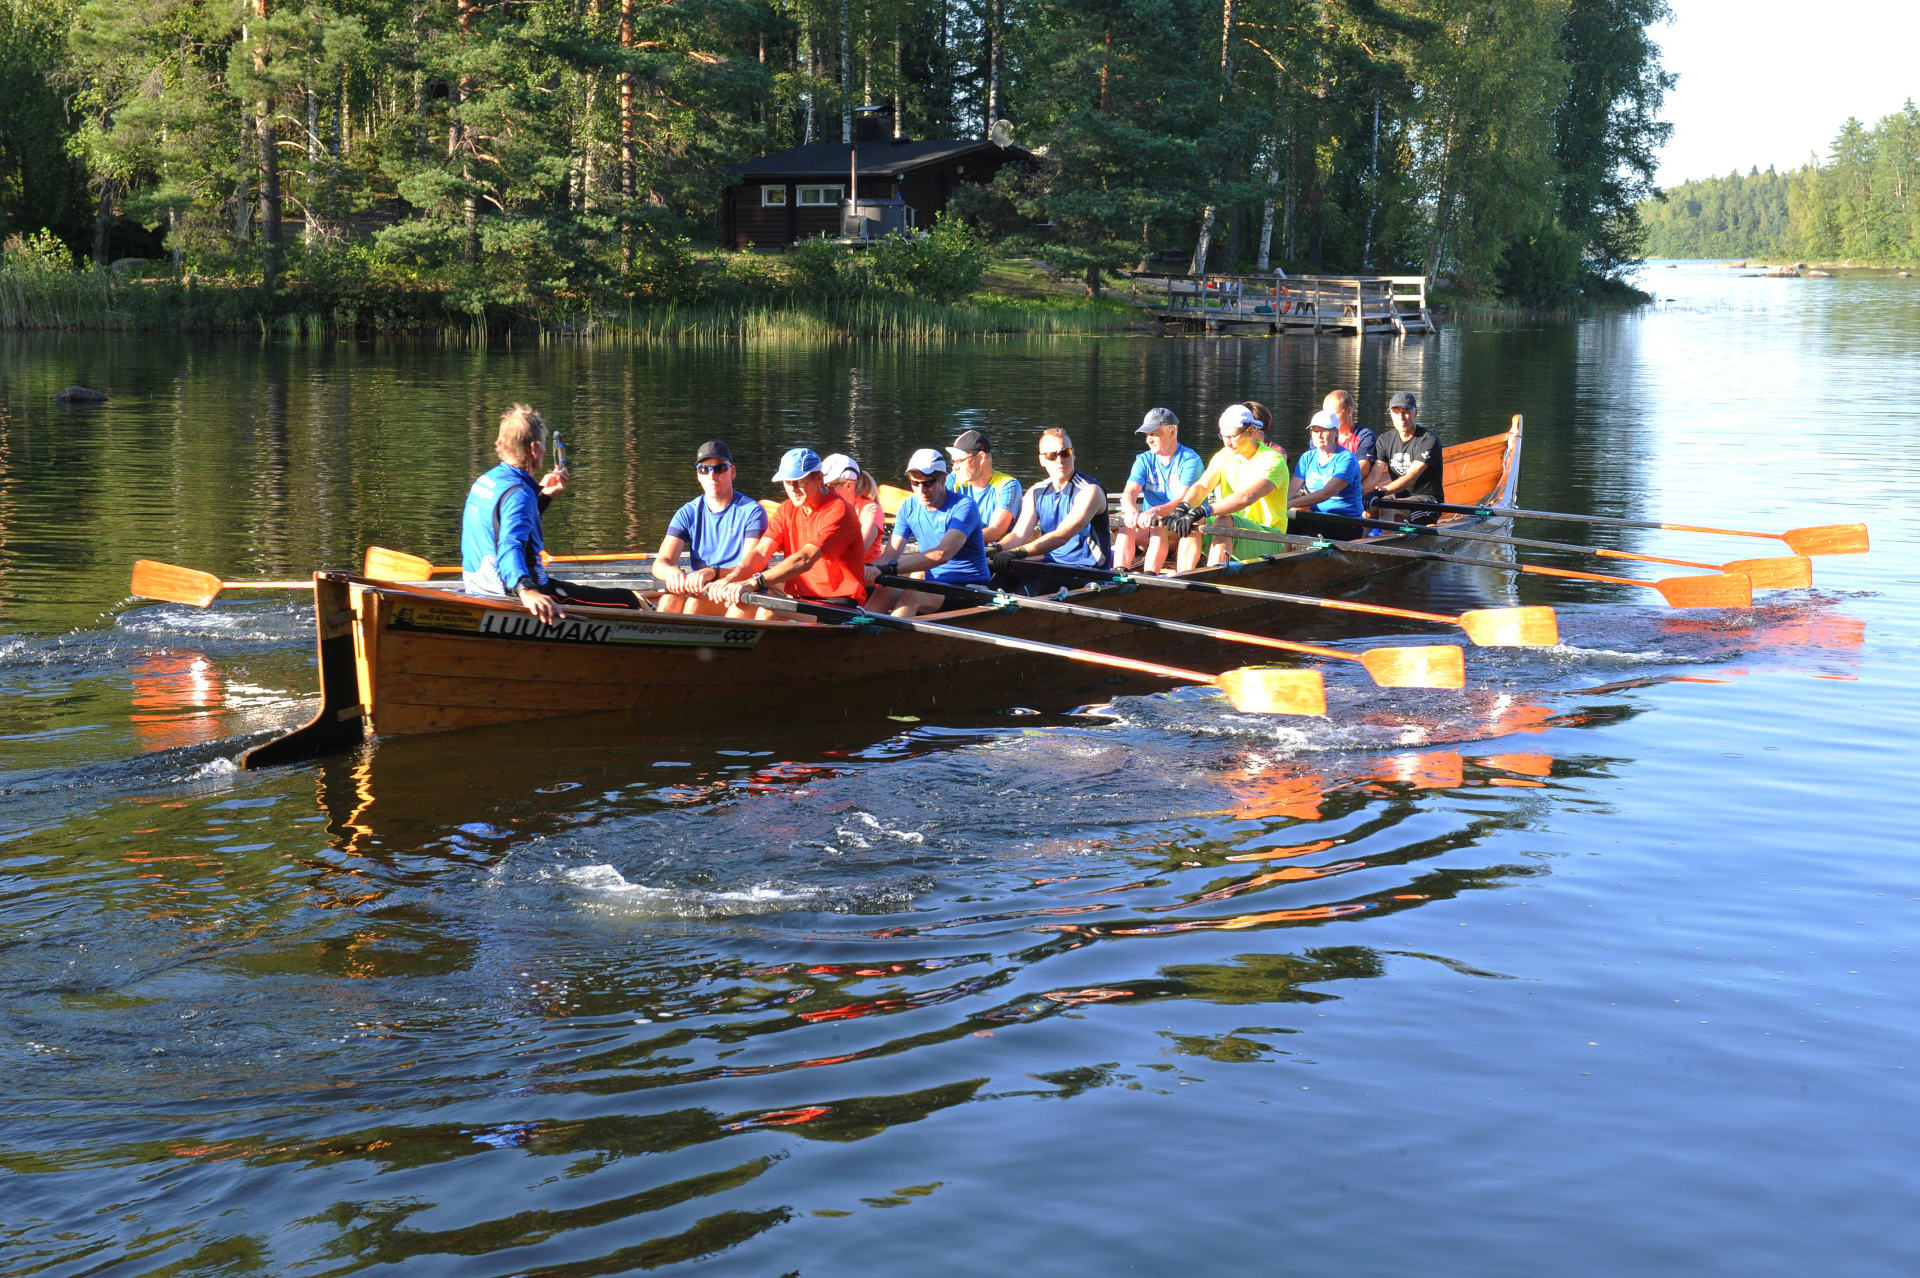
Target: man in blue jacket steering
(500, 536)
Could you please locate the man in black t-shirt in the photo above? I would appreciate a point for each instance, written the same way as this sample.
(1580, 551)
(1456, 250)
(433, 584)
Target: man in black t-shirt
(1411, 454)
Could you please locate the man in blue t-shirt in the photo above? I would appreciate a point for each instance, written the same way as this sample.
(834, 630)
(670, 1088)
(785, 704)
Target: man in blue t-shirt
(1160, 475)
(946, 528)
(715, 529)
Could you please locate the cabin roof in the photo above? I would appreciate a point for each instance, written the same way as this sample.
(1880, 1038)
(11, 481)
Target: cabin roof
(876, 159)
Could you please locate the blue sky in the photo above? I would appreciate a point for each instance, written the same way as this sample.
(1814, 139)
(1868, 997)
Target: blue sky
(1756, 89)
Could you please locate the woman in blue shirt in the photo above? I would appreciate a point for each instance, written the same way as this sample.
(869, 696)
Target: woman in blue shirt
(1329, 475)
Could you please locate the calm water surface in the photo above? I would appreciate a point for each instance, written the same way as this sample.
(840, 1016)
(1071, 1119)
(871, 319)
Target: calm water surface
(1603, 965)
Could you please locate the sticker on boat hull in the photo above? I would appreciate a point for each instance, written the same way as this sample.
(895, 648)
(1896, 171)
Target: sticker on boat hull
(441, 619)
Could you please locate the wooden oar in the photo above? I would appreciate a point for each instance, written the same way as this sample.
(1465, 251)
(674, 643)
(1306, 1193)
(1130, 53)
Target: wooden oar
(1720, 590)
(153, 580)
(1787, 572)
(383, 564)
(1251, 689)
(1534, 626)
(1414, 666)
(1821, 539)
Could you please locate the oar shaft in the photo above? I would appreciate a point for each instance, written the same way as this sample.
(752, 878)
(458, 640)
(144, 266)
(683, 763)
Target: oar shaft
(780, 603)
(1604, 521)
(1408, 552)
(1524, 543)
(1126, 618)
(1104, 576)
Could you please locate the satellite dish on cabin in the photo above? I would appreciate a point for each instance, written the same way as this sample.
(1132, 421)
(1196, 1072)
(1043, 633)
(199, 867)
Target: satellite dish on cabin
(1001, 134)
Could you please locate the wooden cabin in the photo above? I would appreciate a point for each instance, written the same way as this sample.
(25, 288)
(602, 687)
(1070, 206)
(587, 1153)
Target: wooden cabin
(780, 199)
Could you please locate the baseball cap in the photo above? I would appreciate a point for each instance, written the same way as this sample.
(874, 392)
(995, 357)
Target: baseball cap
(797, 463)
(969, 443)
(1237, 417)
(927, 461)
(714, 450)
(838, 466)
(1325, 420)
(1155, 419)
(1402, 399)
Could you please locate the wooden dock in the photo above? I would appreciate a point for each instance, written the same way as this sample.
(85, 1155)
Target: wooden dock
(1365, 305)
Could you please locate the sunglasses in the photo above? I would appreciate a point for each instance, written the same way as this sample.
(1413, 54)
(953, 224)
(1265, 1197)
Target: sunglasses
(931, 481)
(1065, 452)
(712, 468)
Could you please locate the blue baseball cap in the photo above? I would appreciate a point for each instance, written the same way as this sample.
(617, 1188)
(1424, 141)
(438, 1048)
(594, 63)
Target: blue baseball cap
(797, 463)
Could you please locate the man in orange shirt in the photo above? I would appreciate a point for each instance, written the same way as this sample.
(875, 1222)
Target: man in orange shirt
(819, 536)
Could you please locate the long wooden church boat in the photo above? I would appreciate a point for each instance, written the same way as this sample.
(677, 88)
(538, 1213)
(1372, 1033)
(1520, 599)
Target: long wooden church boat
(402, 658)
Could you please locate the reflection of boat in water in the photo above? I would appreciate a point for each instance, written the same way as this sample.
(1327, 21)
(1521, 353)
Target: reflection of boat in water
(406, 658)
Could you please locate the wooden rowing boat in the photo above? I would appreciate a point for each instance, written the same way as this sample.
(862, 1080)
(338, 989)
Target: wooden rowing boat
(404, 658)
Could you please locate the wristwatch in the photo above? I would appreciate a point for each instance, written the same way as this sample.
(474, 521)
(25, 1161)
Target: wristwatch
(759, 580)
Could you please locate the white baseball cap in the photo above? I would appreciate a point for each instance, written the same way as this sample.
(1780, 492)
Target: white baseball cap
(927, 461)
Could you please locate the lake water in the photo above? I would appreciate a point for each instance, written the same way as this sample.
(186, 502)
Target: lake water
(1603, 965)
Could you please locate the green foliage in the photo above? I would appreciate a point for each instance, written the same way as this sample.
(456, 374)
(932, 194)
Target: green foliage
(1862, 205)
(942, 265)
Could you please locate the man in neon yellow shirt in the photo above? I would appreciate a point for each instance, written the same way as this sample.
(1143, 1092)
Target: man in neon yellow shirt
(1246, 485)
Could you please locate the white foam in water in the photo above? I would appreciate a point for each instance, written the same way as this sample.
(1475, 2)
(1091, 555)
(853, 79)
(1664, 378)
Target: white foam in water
(608, 881)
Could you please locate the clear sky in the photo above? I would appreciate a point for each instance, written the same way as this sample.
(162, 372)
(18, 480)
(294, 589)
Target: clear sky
(1767, 82)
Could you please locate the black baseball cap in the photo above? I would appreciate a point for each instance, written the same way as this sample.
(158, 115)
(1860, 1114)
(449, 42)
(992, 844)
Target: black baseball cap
(713, 450)
(1402, 399)
(969, 443)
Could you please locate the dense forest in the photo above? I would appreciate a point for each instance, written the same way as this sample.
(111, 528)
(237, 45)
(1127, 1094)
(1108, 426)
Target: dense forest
(1862, 205)
(517, 153)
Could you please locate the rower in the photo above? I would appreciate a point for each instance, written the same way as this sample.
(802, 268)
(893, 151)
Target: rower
(1412, 456)
(714, 529)
(859, 490)
(501, 541)
(946, 525)
(995, 496)
(1356, 439)
(1160, 474)
(1329, 480)
(818, 534)
(1063, 520)
(1245, 486)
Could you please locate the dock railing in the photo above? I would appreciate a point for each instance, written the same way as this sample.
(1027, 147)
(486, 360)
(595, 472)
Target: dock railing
(1362, 304)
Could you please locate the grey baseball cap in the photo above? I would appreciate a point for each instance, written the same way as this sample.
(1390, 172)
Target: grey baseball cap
(1155, 419)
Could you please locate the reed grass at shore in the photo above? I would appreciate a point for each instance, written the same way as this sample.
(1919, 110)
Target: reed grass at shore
(96, 300)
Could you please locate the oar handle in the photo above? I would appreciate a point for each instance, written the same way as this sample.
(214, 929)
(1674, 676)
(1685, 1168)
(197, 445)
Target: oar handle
(1408, 552)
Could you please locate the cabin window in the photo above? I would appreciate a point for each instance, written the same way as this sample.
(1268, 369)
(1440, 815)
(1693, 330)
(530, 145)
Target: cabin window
(772, 197)
(819, 195)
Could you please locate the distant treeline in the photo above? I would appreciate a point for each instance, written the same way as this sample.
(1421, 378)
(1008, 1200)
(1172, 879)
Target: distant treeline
(1862, 205)
(545, 155)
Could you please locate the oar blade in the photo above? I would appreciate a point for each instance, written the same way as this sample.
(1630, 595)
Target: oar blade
(1432, 665)
(1716, 590)
(1828, 539)
(396, 565)
(154, 580)
(1274, 690)
(1786, 572)
(1530, 627)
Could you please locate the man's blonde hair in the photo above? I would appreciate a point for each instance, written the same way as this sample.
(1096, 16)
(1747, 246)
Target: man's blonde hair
(520, 426)
(1054, 432)
(1339, 401)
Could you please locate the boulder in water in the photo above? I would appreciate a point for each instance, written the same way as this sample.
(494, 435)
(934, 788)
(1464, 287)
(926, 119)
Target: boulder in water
(79, 395)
